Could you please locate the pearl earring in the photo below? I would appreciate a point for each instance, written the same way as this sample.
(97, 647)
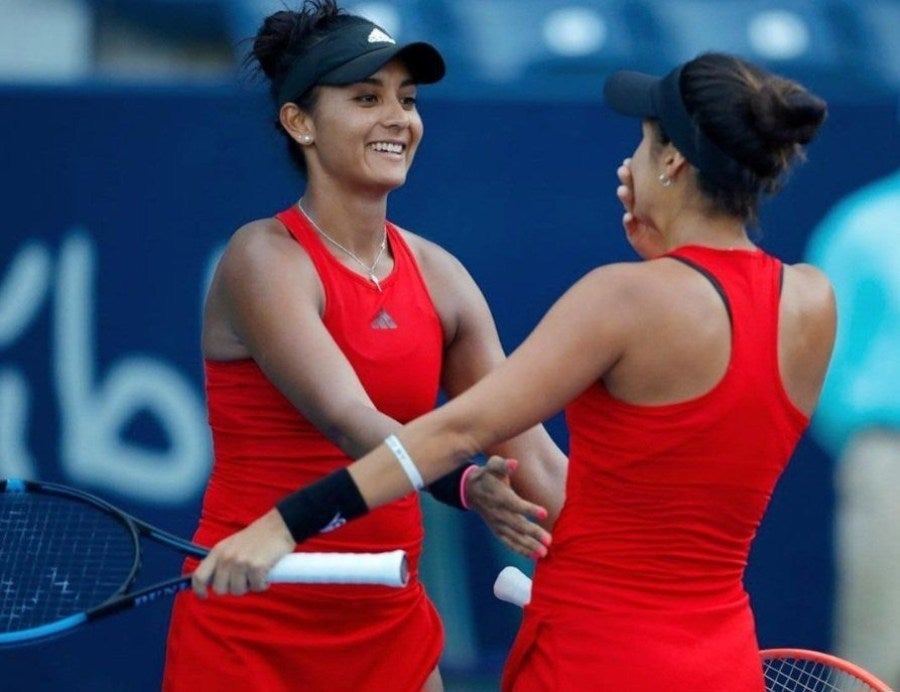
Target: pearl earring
(665, 180)
(306, 139)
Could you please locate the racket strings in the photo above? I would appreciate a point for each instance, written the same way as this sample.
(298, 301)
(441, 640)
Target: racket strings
(58, 557)
(800, 675)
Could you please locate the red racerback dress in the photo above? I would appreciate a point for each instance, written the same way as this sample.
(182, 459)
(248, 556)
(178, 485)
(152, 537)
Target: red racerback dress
(642, 589)
(297, 637)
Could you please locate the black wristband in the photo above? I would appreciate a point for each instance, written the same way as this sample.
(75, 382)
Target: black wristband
(448, 489)
(322, 506)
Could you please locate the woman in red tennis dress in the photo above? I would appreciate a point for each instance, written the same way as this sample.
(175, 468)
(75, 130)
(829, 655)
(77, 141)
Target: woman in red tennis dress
(326, 328)
(687, 380)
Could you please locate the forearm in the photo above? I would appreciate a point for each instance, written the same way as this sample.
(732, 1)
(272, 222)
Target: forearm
(363, 428)
(351, 492)
(358, 429)
(381, 478)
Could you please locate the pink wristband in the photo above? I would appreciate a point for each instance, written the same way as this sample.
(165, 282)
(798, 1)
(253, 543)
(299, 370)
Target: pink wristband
(462, 486)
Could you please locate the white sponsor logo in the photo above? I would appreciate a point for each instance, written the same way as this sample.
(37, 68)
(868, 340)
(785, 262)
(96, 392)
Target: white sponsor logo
(337, 522)
(378, 36)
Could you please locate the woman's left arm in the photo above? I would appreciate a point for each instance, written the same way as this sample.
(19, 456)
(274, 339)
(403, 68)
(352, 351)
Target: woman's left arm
(580, 339)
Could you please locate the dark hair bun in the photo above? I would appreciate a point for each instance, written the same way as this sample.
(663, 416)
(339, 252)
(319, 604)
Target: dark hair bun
(274, 40)
(283, 35)
(281, 38)
(785, 113)
(759, 119)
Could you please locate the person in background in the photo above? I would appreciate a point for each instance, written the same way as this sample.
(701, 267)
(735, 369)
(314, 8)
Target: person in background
(858, 420)
(325, 329)
(687, 378)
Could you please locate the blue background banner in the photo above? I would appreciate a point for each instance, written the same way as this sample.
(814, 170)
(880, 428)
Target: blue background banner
(116, 204)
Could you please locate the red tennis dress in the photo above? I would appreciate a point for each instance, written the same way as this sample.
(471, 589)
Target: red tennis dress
(322, 637)
(642, 589)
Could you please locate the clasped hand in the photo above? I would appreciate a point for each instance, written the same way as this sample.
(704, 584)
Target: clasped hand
(490, 493)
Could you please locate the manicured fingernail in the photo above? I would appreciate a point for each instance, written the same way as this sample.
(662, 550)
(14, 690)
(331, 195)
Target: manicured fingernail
(547, 540)
(539, 553)
(511, 464)
(541, 513)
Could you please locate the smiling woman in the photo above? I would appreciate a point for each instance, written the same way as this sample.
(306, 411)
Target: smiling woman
(326, 328)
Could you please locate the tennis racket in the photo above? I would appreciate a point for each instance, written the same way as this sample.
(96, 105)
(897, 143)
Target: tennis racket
(785, 670)
(68, 558)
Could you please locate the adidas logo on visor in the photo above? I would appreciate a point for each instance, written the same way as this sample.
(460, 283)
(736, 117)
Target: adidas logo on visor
(378, 36)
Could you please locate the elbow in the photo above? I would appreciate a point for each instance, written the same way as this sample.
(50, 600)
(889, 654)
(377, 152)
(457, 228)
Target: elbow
(462, 437)
(465, 446)
(342, 429)
(439, 443)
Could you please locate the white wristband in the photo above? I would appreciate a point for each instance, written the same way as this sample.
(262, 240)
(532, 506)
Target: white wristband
(406, 462)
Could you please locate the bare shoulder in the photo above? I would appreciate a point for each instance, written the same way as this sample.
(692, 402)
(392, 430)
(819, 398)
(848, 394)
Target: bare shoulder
(808, 288)
(618, 297)
(257, 237)
(631, 284)
(262, 245)
(263, 258)
(808, 273)
(433, 259)
(808, 321)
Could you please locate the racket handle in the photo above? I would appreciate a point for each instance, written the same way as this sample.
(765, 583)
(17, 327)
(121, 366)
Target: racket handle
(389, 568)
(513, 586)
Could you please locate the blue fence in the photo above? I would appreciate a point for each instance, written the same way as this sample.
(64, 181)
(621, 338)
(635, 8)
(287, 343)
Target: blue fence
(116, 204)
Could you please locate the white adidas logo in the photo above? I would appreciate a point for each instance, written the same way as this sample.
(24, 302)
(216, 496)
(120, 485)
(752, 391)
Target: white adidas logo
(378, 36)
(337, 522)
(383, 320)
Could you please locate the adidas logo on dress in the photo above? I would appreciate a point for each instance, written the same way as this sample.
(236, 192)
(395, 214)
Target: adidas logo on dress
(383, 320)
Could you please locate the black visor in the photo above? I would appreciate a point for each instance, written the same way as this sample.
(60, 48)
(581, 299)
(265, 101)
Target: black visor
(353, 51)
(645, 96)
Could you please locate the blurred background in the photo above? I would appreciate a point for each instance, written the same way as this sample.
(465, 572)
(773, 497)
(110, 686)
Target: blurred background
(530, 49)
(134, 144)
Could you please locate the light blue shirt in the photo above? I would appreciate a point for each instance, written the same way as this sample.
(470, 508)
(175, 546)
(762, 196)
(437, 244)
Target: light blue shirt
(857, 245)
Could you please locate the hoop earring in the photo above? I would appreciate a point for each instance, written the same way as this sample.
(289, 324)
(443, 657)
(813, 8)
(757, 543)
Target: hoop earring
(665, 180)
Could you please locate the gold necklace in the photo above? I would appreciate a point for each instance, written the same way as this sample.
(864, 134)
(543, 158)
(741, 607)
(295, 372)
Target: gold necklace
(370, 271)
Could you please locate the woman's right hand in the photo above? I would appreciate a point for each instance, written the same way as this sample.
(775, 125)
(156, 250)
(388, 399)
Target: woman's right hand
(490, 493)
(240, 563)
(643, 237)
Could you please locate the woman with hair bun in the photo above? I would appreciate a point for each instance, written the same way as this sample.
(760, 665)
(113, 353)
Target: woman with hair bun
(325, 329)
(687, 378)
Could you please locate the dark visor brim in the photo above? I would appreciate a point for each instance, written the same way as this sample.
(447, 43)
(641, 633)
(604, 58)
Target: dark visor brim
(425, 64)
(633, 93)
